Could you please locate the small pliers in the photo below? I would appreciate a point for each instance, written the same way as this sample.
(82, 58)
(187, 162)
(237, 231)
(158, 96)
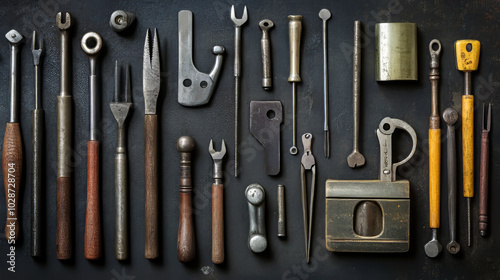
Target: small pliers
(307, 163)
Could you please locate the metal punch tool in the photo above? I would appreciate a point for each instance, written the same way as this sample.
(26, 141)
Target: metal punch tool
(307, 163)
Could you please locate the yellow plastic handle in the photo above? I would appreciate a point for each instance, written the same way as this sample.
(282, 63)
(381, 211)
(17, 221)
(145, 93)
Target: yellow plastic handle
(468, 144)
(434, 176)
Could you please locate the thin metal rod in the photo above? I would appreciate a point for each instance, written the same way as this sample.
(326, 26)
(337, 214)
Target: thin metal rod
(325, 86)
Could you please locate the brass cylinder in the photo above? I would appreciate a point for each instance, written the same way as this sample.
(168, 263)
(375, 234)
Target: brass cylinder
(396, 51)
(294, 32)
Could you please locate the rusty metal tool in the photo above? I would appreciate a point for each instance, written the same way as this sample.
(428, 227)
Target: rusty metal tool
(217, 203)
(37, 156)
(121, 20)
(12, 155)
(294, 34)
(483, 174)
(120, 107)
(91, 44)
(265, 47)
(307, 163)
(238, 22)
(151, 89)
(433, 247)
(64, 239)
(356, 159)
(185, 237)
(325, 15)
(450, 116)
(467, 57)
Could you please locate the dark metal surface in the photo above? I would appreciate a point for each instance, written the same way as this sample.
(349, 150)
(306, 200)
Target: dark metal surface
(284, 258)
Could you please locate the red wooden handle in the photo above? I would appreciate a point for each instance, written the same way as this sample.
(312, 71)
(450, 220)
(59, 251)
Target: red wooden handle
(12, 165)
(92, 243)
(217, 224)
(64, 243)
(483, 183)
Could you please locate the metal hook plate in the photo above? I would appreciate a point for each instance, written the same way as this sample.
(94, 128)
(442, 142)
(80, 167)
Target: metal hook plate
(194, 87)
(384, 135)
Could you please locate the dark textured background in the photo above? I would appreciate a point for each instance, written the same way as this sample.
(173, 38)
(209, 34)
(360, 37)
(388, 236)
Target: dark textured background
(284, 258)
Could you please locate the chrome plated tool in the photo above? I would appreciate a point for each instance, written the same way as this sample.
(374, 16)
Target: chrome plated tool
(307, 163)
(238, 22)
(120, 107)
(217, 203)
(265, 48)
(325, 15)
(37, 155)
(151, 89)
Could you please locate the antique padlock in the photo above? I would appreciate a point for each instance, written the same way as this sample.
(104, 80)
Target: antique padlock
(372, 215)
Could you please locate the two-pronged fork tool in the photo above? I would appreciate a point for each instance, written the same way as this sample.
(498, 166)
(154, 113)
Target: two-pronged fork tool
(122, 102)
(217, 203)
(467, 56)
(238, 22)
(37, 143)
(151, 89)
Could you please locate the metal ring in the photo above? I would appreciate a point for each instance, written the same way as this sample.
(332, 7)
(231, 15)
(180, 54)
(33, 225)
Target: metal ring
(98, 43)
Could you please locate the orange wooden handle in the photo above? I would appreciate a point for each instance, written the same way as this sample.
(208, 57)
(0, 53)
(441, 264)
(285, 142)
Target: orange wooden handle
(217, 224)
(64, 242)
(92, 243)
(185, 237)
(151, 186)
(434, 176)
(468, 144)
(12, 165)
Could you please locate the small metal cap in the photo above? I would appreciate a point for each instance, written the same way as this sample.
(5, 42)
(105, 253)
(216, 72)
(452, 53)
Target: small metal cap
(185, 144)
(14, 37)
(121, 20)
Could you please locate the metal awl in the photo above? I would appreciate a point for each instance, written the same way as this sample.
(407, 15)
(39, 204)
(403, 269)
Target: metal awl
(325, 14)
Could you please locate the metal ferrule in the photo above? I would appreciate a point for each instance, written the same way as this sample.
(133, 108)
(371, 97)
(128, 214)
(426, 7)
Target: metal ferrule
(94, 112)
(64, 132)
(218, 173)
(185, 164)
(14, 97)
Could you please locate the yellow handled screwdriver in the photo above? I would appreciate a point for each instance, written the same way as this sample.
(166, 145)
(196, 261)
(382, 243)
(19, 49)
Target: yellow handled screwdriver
(467, 54)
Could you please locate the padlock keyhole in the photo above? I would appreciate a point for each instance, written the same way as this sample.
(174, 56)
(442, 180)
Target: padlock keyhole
(368, 219)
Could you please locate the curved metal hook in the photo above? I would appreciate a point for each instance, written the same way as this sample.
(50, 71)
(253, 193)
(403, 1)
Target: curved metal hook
(384, 134)
(194, 87)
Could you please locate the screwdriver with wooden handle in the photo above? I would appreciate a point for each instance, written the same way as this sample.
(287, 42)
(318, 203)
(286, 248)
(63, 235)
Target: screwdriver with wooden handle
(467, 55)
(12, 153)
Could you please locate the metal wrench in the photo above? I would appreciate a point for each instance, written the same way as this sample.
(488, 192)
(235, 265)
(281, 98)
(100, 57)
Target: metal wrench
(37, 143)
(91, 44)
(64, 247)
(356, 159)
(450, 116)
(325, 15)
(121, 109)
(217, 203)
(238, 22)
